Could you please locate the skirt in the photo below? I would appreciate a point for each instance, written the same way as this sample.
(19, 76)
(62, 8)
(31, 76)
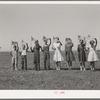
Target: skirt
(69, 56)
(57, 56)
(82, 55)
(92, 56)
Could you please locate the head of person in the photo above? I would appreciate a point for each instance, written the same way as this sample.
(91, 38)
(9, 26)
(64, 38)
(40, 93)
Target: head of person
(14, 47)
(45, 41)
(23, 46)
(36, 43)
(92, 42)
(56, 39)
(68, 40)
(81, 41)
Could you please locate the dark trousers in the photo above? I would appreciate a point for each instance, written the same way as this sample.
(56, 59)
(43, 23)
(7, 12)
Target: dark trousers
(46, 60)
(24, 62)
(37, 60)
(37, 66)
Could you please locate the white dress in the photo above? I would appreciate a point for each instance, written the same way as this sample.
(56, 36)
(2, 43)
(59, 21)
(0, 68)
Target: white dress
(92, 56)
(57, 55)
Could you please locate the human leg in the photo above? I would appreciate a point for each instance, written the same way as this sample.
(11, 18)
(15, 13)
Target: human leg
(22, 62)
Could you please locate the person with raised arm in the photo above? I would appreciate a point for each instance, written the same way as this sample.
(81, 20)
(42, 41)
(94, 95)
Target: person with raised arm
(23, 52)
(57, 52)
(82, 52)
(68, 52)
(36, 51)
(46, 52)
(14, 55)
(92, 56)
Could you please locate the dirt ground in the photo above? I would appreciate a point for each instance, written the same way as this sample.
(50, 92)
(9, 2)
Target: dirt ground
(48, 80)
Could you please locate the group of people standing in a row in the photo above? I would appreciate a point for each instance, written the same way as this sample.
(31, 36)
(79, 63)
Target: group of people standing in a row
(57, 57)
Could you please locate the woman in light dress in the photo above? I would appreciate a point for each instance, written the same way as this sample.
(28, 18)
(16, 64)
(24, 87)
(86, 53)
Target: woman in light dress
(92, 56)
(57, 55)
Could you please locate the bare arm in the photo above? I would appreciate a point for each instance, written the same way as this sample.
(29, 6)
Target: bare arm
(32, 50)
(53, 47)
(10, 53)
(60, 43)
(50, 42)
(78, 48)
(72, 44)
(41, 49)
(96, 42)
(65, 47)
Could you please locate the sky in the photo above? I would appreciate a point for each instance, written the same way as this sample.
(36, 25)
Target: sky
(21, 21)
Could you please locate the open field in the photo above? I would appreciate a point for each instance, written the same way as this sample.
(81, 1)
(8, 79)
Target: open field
(48, 80)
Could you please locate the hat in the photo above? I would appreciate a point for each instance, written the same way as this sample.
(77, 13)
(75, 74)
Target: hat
(36, 41)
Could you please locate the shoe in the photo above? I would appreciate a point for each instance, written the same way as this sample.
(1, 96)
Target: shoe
(16, 69)
(84, 69)
(81, 68)
(93, 69)
(57, 68)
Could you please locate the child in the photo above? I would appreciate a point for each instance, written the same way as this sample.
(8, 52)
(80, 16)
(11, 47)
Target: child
(36, 51)
(57, 55)
(14, 54)
(24, 55)
(68, 52)
(82, 54)
(46, 52)
(92, 56)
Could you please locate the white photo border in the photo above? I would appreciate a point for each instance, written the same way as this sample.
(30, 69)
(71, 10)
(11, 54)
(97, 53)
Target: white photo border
(47, 94)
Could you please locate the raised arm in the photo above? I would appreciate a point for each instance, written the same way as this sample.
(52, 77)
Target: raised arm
(78, 48)
(50, 41)
(32, 50)
(60, 43)
(53, 47)
(41, 49)
(65, 47)
(10, 53)
(72, 44)
(96, 42)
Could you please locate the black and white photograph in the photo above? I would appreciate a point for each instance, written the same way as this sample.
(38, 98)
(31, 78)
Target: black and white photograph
(50, 47)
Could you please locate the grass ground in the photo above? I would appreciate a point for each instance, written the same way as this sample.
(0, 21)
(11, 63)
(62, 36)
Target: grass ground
(48, 80)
